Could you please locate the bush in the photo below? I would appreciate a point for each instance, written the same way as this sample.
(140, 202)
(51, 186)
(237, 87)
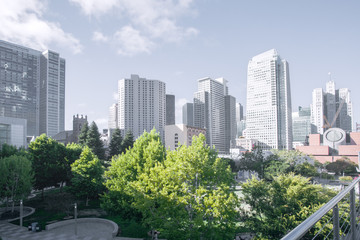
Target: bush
(327, 176)
(346, 179)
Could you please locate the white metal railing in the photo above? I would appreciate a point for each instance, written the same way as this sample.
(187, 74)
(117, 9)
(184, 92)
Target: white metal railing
(345, 223)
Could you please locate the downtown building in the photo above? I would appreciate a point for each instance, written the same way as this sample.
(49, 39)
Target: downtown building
(32, 88)
(302, 126)
(331, 108)
(268, 106)
(214, 111)
(141, 106)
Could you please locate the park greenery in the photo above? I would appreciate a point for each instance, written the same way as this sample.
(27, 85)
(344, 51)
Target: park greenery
(187, 193)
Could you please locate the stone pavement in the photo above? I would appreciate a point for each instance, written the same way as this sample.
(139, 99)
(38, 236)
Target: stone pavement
(10, 231)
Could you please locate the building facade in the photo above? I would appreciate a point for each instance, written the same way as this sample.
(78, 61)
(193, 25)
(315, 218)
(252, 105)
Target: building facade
(170, 109)
(188, 114)
(13, 131)
(268, 106)
(32, 88)
(302, 126)
(142, 105)
(210, 112)
(180, 134)
(331, 108)
(113, 116)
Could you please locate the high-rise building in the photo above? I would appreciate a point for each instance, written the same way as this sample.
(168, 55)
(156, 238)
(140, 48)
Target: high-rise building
(113, 116)
(32, 88)
(188, 114)
(332, 108)
(52, 93)
(210, 112)
(230, 120)
(170, 109)
(302, 126)
(142, 105)
(268, 106)
(239, 112)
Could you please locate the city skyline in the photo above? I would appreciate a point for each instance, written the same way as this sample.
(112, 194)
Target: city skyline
(178, 42)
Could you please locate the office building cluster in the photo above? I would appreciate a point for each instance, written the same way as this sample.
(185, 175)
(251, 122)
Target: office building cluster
(32, 91)
(32, 97)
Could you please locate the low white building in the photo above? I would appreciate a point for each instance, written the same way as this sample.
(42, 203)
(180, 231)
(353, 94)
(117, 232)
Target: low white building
(180, 134)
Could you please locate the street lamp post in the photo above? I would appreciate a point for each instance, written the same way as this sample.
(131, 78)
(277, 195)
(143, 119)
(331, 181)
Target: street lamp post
(21, 213)
(75, 216)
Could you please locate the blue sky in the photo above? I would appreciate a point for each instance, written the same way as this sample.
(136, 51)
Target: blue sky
(181, 41)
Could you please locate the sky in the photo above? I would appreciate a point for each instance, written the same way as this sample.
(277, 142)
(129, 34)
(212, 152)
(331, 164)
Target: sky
(181, 41)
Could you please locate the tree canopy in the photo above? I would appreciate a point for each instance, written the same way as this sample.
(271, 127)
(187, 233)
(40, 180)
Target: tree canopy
(16, 178)
(83, 134)
(185, 194)
(115, 146)
(128, 141)
(281, 205)
(87, 181)
(48, 162)
(94, 142)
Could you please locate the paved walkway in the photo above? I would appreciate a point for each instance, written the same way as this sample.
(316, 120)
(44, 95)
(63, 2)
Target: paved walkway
(10, 231)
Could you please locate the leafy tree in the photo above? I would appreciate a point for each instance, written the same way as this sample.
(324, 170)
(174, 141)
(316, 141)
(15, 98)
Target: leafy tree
(342, 166)
(48, 162)
(16, 178)
(185, 194)
(73, 151)
(7, 150)
(83, 134)
(115, 145)
(128, 141)
(87, 181)
(94, 142)
(306, 169)
(279, 206)
(254, 161)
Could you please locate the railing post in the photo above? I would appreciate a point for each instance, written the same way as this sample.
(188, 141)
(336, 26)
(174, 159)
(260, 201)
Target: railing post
(336, 222)
(352, 214)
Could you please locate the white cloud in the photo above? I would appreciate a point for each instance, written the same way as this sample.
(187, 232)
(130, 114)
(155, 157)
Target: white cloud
(95, 7)
(131, 42)
(99, 37)
(179, 103)
(150, 21)
(21, 21)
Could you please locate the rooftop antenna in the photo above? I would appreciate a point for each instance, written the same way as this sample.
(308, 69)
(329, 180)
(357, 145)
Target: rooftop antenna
(329, 73)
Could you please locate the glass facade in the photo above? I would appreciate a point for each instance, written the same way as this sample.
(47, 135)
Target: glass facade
(32, 87)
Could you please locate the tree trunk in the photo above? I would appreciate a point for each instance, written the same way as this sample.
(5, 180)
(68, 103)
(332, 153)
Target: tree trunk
(87, 201)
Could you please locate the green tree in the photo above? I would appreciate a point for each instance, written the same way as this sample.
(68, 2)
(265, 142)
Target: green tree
(94, 142)
(342, 166)
(16, 178)
(7, 150)
(48, 162)
(115, 145)
(83, 134)
(279, 206)
(73, 151)
(128, 141)
(185, 194)
(254, 161)
(87, 181)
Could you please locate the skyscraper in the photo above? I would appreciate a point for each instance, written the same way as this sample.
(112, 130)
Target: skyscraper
(113, 116)
(268, 106)
(332, 108)
(188, 114)
(33, 88)
(302, 126)
(170, 109)
(142, 105)
(210, 112)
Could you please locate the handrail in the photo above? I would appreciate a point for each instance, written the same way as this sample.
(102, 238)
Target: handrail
(304, 227)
